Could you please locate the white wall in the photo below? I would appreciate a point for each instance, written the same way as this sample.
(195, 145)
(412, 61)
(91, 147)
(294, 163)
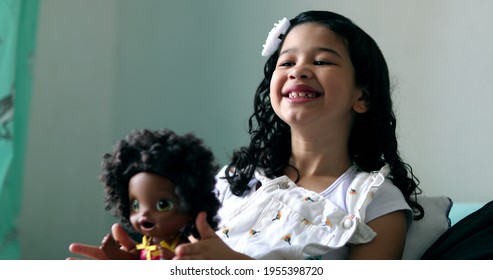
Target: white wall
(106, 67)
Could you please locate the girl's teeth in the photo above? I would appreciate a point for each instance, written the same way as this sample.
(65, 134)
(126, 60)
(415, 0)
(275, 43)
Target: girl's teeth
(302, 94)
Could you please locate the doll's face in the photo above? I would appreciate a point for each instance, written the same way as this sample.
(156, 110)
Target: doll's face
(154, 206)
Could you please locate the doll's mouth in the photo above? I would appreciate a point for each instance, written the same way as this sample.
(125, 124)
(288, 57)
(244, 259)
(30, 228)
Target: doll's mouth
(147, 225)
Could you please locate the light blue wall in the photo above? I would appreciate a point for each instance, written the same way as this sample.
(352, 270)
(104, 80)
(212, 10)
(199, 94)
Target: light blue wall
(180, 65)
(70, 127)
(106, 67)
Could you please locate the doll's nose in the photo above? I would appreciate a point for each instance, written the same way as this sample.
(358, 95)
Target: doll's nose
(145, 212)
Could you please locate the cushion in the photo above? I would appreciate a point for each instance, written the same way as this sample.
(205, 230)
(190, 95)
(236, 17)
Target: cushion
(422, 233)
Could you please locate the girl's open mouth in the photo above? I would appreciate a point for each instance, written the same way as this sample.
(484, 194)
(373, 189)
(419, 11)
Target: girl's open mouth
(295, 94)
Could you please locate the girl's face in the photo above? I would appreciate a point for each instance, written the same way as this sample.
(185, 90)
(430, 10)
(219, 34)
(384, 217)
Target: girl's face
(154, 206)
(313, 82)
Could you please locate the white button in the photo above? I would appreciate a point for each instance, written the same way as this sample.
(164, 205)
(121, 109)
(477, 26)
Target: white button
(348, 223)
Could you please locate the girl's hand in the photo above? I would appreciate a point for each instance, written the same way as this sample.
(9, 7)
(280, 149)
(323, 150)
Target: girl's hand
(117, 246)
(210, 247)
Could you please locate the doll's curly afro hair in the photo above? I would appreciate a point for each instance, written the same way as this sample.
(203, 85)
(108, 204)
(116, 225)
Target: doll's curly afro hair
(184, 160)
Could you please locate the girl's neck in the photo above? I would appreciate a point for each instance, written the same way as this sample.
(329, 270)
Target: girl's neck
(322, 150)
(319, 161)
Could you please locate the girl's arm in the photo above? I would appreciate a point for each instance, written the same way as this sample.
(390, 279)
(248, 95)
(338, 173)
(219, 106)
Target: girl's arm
(107, 251)
(209, 247)
(389, 243)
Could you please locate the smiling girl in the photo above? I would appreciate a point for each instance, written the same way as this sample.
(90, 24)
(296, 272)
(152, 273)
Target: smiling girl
(323, 126)
(322, 177)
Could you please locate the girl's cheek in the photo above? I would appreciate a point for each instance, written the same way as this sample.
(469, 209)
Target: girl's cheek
(275, 84)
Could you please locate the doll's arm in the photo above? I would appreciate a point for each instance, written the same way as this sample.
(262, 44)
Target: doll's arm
(210, 247)
(166, 254)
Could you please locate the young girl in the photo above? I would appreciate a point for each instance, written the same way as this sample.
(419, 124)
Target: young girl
(322, 176)
(157, 182)
(323, 118)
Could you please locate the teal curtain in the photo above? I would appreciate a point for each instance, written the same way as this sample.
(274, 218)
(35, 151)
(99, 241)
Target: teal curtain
(18, 21)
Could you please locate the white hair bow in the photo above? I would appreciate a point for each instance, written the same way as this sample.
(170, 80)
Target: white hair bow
(275, 37)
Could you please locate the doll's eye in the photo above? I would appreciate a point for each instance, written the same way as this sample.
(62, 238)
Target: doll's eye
(134, 205)
(164, 205)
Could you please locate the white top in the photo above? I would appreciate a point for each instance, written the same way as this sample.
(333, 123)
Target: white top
(250, 223)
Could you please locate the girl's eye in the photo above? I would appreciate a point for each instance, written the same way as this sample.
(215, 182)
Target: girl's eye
(134, 205)
(286, 64)
(321, 62)
(164, 205)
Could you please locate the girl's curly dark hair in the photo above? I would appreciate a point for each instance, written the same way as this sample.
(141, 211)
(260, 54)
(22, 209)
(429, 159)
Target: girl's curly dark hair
(373, 140)
(184, 160)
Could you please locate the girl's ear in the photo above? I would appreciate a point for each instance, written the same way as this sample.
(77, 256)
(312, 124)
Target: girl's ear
(362, 105)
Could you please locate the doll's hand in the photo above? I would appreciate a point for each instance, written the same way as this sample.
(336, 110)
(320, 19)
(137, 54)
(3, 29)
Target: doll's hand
(166, 254)
(210, 247)
(118, 236)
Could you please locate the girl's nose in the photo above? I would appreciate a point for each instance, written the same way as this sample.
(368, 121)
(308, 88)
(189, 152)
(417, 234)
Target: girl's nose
(300, 72)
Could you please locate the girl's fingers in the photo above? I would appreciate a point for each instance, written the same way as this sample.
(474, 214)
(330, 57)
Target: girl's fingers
(122, 237)
(89, 251)
(203, 227)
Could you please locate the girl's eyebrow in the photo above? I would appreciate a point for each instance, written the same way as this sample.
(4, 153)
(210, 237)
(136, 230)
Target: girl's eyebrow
(320, 49)
(329, 50)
